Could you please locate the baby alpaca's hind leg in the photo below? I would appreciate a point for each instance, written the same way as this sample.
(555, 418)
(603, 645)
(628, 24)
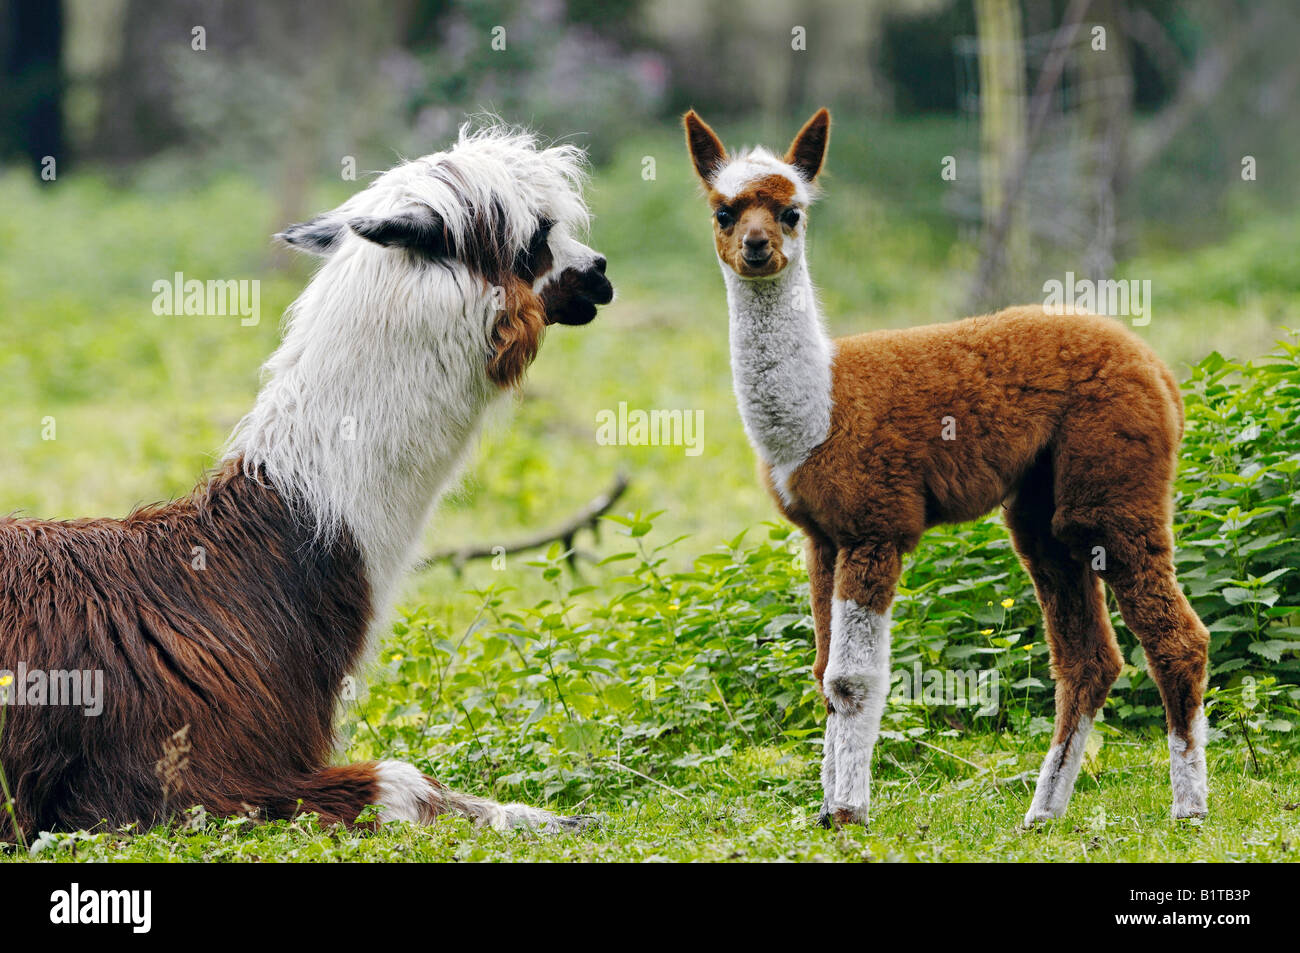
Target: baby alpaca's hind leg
(1117, 496)
(1176, 644)
(1085, 656)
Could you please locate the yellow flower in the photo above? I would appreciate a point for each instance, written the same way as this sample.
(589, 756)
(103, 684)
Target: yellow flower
(7, 680)
(986, 631)
(397, 657)
(1008, 603)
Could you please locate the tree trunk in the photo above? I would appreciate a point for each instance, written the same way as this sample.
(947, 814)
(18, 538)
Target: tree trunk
(31, 75)
(1107, 106)
(1002, 131)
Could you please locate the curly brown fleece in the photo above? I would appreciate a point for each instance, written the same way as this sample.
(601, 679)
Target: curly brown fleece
(1071, 423)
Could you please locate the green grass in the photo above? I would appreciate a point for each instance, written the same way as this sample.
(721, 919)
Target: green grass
(141, 404)
(760, 805)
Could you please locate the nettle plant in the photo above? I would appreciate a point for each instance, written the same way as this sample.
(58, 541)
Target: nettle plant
(1238, 499)
(655, 669)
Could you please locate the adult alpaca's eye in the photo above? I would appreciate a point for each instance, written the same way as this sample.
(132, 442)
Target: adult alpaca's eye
(541, 236)
(724, 217)
(790, 217)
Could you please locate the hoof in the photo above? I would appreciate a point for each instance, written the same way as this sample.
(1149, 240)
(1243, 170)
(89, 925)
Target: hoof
(1036, 816)
(842, 816)
(850, 815)
(1189, 804)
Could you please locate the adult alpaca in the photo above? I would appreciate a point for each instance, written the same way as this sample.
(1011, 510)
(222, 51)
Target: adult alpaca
(235, 614)
(1072, 424)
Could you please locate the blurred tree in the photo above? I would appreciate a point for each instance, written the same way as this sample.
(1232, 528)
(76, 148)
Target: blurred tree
(917, 57)
(134, 115)
(1002, 132)
(1106, 104)
(777, 57)
(31, 79)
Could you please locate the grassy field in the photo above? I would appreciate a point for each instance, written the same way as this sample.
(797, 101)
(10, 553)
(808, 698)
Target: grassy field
(141, 404)
(927, 806)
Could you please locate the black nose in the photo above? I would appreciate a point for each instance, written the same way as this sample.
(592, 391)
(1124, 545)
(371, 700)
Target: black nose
(755, 242)
(600, 264)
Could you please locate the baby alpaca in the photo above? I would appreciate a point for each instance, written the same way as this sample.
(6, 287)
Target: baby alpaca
(1071, 424)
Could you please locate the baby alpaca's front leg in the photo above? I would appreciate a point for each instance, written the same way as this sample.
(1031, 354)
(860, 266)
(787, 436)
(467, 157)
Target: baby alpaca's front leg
(857, 685)
(822, 556)
(857, 674)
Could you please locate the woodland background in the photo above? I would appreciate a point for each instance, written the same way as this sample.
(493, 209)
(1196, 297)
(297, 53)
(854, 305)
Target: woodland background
(979, 150)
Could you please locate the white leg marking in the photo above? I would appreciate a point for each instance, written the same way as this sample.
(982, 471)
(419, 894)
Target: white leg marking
(1058, 774)
(404, 793)
(533, 818)
(857, 683)
(828, 762)
(1187, 771)
(503, 817)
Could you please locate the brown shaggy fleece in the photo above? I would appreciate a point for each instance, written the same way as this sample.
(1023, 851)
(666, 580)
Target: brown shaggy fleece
(217, 612)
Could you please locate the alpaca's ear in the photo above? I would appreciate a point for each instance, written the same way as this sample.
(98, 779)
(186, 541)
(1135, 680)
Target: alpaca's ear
(704, 145)
(320, 236)
(517, 334)
(418, 228)
(809, 147)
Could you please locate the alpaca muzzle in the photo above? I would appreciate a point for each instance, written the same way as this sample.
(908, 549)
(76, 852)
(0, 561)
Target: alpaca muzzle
(573, 297)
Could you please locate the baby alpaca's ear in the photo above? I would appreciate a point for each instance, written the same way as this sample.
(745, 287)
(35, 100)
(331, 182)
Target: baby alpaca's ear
(809, 146)
(704, 146)
(418, 228)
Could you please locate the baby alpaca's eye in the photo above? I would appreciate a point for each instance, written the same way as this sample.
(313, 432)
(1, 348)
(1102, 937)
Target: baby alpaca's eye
(724, 217)
(790, 217)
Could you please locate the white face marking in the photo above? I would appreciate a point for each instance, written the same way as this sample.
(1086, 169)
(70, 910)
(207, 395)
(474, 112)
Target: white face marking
(572, 256)
(1057, 776)
(736, 174)
(1187, 771)
(566, 252)
(857, 684)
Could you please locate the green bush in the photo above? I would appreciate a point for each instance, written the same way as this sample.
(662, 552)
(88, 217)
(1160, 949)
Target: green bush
(601, 687)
